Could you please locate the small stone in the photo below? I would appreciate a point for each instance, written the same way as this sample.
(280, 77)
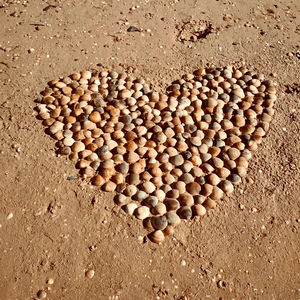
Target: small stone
(142, 212)
(193, 188)
(168, 179)
(159, 209)
(107, 164)
(130, 190)
(125, 94)
(90, 273)
(102, 150)
(132, 157)
(186, 199)
(172, 218)
(199, 210)
(187, 178)
(209, 204)
(185, 212)
(130, 208)
(50, 281)
(213, 179)
(196, 141)
(235, 178)
(239, 93)
(123, 168)
(216, 194)
(233, 153)
(98, 180)
(227, 186)
(206, 189)
(169, 230)
(41, 294)
(134, 179)
(172, 204)
(57, 126)
(148, 187)
(140, 196)
(157, 236)
(151, 201)
(159, 222)
(120, 199)
(174, 193)
(177, 160)
(10, 216)
(133, 29)
(223, 172)
(109, 186)
(160, 194)
(78, 146)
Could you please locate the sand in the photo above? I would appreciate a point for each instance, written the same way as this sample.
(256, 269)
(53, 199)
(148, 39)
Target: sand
(66, 230)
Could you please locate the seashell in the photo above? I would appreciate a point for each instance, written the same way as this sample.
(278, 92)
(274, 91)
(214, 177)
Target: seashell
(157, 236)
(130, 208)
(209, 204)
(142, 212)
(198, 210)
(159, 222)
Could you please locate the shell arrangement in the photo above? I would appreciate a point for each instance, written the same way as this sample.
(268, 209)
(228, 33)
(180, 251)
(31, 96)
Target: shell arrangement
(167, 156)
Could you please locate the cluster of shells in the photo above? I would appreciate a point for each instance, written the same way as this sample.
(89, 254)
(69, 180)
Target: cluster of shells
(167, 156)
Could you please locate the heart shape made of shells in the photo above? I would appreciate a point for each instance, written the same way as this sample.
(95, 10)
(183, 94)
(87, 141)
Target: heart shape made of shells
(168, 156)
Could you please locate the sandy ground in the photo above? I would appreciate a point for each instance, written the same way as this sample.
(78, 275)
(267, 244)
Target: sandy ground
(51, 227)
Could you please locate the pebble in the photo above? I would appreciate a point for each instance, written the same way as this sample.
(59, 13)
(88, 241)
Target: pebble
(10, 216)
(142, 212)
(120, 199)
(209, 204)
(235, 178)
(41, 294)
(199, 210)
(169, 230)
(172, 204)
(159, 222)
(50, 281)
(130, 208)
(160, 194)
(157, 236)
(186, 199)
(90, 273)
(148, 187)
(159, 209)
(183, 263)
(172, 218)
(130, 190)
(141, 195)
(196, 141)
(134, 179)
(187, 178)
(132, 157)
(132, 29)
(109, 186)
(193, 188)
(123, 168)
(177, 160)
(151, 201)
(185, 212)
(227, 186)
(78, 146)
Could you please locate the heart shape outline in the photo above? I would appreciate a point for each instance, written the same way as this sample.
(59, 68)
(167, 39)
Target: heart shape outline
(176, 153)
